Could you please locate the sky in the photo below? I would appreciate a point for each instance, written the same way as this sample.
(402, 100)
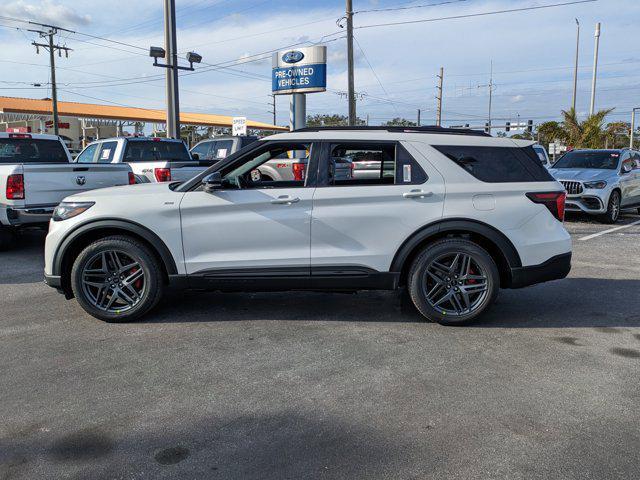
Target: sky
(531, 53)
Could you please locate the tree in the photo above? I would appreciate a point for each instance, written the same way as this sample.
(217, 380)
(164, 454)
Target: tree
(617, 134)
(589, 133)
(549, 132)
(325, 120)
(399, 122)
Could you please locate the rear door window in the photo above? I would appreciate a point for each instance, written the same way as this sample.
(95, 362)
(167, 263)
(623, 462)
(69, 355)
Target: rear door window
(107, 151)
(497, 164)
(202, 150)
(153, 151)
(29, 150)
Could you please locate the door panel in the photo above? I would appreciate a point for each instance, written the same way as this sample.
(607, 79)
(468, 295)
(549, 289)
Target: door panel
(253, 228)
(364, 225)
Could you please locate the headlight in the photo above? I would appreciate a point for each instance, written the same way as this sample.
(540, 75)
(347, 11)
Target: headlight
(596, 184)
(64, 211)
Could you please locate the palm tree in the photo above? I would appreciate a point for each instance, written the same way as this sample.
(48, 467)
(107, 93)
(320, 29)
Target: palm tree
(589, 133)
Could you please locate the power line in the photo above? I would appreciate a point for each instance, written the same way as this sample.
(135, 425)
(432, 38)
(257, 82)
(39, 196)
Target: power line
(470, 15)
(391, 9)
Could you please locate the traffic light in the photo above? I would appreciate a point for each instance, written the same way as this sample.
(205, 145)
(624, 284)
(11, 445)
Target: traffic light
(530, 126)
(507, 127)
(486, 127)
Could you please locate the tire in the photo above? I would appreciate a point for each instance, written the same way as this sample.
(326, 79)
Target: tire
(613, 208)
(137, 287)
(7, 238)
(437, 261)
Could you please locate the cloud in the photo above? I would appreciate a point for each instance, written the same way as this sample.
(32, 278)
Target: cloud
(516, 99)
(46, 11)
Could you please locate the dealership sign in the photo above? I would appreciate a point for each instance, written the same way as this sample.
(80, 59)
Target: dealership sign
(303, 70)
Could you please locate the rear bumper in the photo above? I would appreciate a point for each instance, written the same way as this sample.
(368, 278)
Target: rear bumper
(553, 269)
(40, 214)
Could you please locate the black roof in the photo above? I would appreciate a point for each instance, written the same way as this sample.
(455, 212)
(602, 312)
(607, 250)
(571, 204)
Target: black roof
(425, 129)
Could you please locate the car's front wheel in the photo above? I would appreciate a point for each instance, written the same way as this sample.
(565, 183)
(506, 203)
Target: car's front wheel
(613, 208)
(117, 279)
(453, 281)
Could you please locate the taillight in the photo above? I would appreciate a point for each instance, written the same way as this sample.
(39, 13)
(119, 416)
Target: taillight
(298, 171)
(15, 187)
(554, 201)
(162, 174)
(132, 178)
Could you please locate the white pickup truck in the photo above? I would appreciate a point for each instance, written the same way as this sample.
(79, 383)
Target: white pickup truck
(152, 159)
(36, 173)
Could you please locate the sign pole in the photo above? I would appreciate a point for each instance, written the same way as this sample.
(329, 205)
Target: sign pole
(297, 111)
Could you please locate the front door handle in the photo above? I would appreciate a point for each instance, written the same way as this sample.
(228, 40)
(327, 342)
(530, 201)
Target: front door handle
(285, 200)
(417, 194)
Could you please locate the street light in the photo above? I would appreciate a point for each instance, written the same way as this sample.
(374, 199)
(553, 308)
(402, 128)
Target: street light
(633, 125)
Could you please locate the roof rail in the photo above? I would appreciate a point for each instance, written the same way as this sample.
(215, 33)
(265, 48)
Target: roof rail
(400, 129)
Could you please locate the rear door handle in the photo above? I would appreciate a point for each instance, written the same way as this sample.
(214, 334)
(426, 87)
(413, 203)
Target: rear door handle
(285, 200)
(417, 194)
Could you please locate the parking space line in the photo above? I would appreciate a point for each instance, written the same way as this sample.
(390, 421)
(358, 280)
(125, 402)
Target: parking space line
(594, 235)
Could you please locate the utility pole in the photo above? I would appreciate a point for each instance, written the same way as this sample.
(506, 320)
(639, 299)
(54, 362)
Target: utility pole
(490, 85)
(51, 47)
(273, 108)
(351, 87)
(170, 45)
(575, 70)
(439, 97)
(633, 125)
(418, 117)
(595, 70)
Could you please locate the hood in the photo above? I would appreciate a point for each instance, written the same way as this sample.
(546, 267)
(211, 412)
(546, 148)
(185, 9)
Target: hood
(121, 191)
(581, 174)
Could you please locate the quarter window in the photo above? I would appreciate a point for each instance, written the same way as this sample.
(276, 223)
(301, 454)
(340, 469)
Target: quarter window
(87, 154)
(107, 151)
(497, 164)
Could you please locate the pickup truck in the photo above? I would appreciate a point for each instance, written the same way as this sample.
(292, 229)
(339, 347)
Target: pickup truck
(152, 159)
(36, 173)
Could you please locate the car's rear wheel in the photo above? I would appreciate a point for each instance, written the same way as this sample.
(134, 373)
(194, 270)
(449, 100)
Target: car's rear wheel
(453, 281)
(7, 238)
(613, 208)
(117, 279)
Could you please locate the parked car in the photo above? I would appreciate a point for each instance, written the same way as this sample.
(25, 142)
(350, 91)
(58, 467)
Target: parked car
(542, 155)
(36, 174)
(600, 182)
(152, 159)
(498, 226)
(219, 148)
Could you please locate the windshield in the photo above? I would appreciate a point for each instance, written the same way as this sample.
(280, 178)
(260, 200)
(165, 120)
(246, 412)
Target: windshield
(28, 150)
(150, 151)
(600, 160)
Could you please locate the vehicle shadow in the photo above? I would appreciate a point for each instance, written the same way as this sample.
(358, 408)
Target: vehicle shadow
(571, 303)
(23, 262)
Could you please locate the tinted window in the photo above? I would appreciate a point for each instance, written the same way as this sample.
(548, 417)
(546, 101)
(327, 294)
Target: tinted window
(497, 164)
(598, 159)
(27, 150)
(107, 151)
(541, 154)
(150, 151)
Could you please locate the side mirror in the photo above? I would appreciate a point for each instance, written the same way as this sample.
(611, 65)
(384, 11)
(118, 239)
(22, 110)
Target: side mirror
(626, 168)
(212, 182)
(195, 156)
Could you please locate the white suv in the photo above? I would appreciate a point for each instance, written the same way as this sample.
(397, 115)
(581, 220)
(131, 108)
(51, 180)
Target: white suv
(453, 216)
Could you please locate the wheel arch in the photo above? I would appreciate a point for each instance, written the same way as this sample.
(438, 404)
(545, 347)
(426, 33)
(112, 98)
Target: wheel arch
(495, 242)
(84, 234)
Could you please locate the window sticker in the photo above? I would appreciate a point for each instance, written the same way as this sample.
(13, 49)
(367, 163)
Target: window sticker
(406, 173)
(104, 155)
(222, 152)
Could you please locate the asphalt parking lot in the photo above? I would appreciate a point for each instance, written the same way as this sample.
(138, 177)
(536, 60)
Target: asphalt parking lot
(309, 385)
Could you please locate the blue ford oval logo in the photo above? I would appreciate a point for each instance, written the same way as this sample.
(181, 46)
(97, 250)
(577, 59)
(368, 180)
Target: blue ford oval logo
(294, 56)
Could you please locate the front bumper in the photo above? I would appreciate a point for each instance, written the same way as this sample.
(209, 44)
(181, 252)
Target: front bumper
(593, 204)
(40, 214)
(555, 268)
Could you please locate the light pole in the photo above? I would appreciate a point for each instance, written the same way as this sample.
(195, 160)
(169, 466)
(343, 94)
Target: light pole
(350, 80)
(633, 125)
(595, 70)
(575, 70)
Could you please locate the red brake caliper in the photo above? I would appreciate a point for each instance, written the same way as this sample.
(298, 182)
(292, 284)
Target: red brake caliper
(137, 283)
